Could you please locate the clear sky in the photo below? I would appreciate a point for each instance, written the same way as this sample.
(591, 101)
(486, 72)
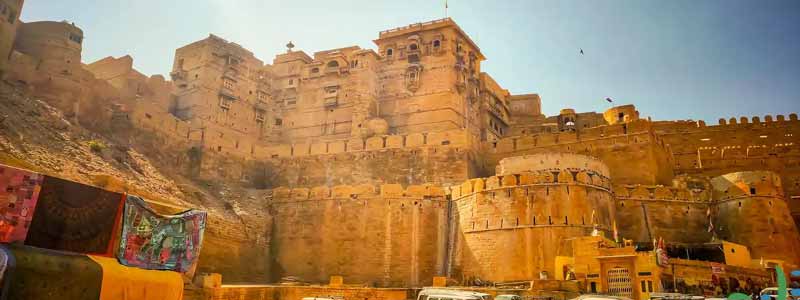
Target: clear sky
(677, 59)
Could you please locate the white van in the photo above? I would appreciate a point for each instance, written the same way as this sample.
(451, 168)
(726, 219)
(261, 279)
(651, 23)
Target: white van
(447, 294)
(324, 298)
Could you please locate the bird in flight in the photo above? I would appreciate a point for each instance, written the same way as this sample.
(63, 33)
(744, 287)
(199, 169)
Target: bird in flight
(581, 51)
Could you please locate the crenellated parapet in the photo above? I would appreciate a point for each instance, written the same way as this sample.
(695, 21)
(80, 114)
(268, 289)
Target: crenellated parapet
(659, 193)
(542, 178)
(454, 139)
(732, 123)
(634, 132)
(283, 195)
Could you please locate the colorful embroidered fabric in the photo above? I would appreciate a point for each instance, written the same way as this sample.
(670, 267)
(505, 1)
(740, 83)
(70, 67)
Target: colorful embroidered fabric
(162, 242)
(19, 191)
(75, 217)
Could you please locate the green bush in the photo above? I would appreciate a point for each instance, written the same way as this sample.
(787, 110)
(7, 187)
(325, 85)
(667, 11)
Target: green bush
(96, 146)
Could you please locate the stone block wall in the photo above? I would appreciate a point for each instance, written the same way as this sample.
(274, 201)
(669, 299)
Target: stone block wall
(632, 151)
(752, 211)
(511, 227)
(647, 212)
(385, 237)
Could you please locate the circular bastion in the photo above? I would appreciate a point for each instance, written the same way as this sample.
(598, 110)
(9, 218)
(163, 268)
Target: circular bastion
(752, 210)
(512, 226)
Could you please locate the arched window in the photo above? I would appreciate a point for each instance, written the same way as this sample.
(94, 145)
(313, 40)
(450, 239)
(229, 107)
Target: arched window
(333, 64)
(315, 70)
(437, 43)
(412, 47)
(389, 52)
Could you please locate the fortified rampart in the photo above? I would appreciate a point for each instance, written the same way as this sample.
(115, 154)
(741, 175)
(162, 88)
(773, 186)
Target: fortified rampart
(9, 22)
(511, 226)
(648, 212)
(391, 236)
(739, 144)
(57, 45)
(752, 211)
(633, 152)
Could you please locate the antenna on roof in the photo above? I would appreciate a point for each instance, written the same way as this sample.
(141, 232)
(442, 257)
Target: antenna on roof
(445, 8)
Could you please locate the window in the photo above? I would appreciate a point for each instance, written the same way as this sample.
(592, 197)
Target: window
(262, 96)
(278, 122)
(437, 43)
(593, 287)
(389, 52)
(621, 117)
(224, 103)
(644, 287)
(227, 83)
(413, 58)
(412, 47)
(75, 38)
(333, 64)
(354, 63)
(650, 286)
(291, 81)
(412, 76)
(315, 70)
(259, 116)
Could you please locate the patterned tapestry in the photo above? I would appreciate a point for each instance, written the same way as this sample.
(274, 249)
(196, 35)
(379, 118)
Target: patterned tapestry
(162, 242)
(19, 191)
(75, 217)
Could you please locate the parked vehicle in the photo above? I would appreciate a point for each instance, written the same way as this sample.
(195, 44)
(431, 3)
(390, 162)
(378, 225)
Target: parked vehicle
(507, 297)
(674, 296)
(772, 292)
(599, 297)
(324, 298)
(448, 294)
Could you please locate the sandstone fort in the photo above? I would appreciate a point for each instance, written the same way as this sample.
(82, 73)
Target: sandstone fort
(368, 173)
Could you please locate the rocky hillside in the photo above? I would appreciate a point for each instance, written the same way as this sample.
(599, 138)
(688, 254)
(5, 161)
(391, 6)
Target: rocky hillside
(39, 137)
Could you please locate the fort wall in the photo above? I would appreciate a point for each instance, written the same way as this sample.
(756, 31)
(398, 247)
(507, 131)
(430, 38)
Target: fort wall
(386, 236)
(9, 22)
(648, 212)
(633, 152)
(752, 211)
(511, 227)
(739, 144)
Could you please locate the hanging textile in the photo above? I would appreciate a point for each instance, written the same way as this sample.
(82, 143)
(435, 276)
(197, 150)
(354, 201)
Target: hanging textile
(164, 242)
(75, 217)
(19, 192)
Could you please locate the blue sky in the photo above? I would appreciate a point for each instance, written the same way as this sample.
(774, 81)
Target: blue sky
(677, 59)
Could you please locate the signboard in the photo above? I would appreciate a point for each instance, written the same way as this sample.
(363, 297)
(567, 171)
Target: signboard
(661, 257)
